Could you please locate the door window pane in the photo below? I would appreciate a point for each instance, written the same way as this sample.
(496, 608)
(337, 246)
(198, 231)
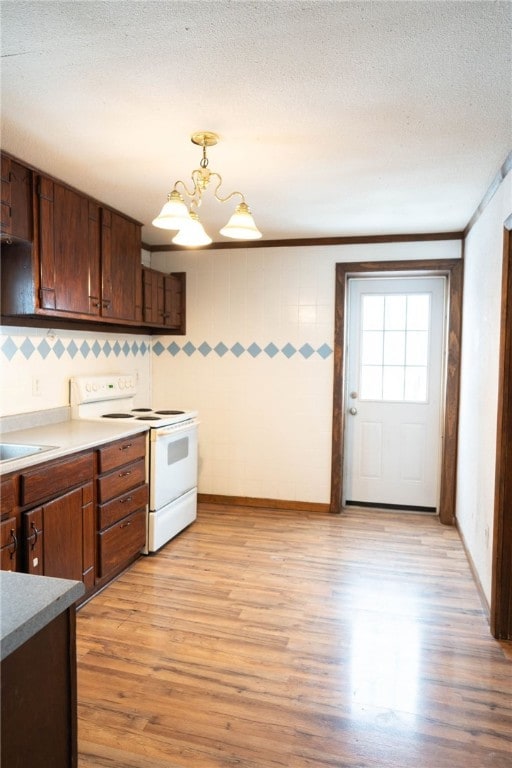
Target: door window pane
(393, 382)
(373, 313)
(395, 313)
(371, 353)
(395, 347)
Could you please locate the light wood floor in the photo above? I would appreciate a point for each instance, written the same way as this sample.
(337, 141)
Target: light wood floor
(263, 639)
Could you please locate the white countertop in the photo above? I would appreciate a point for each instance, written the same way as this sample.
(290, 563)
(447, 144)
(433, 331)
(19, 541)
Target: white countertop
(29, 603)
(67, 437)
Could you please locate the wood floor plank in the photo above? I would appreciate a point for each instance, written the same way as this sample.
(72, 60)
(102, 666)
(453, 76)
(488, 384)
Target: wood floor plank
(279, 639)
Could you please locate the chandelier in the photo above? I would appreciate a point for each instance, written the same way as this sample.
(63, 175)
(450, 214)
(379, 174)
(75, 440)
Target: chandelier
(176, 216)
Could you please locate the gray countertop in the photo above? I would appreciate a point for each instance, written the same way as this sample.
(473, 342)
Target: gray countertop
(29, 603)
(65, 437)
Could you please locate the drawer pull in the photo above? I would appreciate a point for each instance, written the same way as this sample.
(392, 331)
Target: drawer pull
(34, 536)
(125, 474)
(125, 525)
(14, 542)
(128, 498)
(125, 447)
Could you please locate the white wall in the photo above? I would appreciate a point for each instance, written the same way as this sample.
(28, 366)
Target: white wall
(265, 410)
(483, 258)
(38, 363)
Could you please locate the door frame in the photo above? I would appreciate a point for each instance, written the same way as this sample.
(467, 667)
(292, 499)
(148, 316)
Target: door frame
(453, 270)
(501, 592)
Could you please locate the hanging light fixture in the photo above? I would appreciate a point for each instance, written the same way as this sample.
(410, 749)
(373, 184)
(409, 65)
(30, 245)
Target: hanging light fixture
(175, 214)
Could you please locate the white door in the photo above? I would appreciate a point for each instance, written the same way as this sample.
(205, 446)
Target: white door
(393, 396)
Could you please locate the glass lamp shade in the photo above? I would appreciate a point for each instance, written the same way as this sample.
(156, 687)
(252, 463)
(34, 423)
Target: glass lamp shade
(192, 233)
(173, 214)
(241, 225)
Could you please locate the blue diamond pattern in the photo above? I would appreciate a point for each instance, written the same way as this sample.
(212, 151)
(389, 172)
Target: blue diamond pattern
(96, 349)
(173, 348)
(27, 348)
(84, 349)
(9, 348)
(254, 350)
(117, 349)
(72, 349)
(107, 348)
(324, 351)
(189, 348)
(306, 350)
(135, 348)
(143, 348)
(158, 348)
(44, 349)
(271, 349)
(237, 349)
(204, 349)
(221, 349)
(288, 350)
(58, 348)
(126, 349)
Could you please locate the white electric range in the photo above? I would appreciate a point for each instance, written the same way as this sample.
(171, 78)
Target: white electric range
(173, 448)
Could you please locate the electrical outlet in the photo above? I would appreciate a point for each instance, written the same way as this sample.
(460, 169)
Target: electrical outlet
(36, 387)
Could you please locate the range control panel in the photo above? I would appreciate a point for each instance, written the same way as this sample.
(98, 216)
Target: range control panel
(90, 389)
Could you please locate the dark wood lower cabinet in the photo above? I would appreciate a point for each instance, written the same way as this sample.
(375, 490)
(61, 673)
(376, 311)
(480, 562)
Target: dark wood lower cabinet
(38, 699)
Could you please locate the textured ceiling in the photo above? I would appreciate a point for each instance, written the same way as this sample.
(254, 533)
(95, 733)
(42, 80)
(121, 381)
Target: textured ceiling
(335, 118)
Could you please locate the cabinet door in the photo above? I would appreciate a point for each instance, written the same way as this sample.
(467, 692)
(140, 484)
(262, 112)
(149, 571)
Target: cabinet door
(174, 301)
(69, 250)
(8, 545)
(120, 266)
(62, 520)
(150, 295)
(5, 207)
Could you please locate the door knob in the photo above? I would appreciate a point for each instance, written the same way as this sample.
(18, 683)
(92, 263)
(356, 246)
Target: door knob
(352, 411)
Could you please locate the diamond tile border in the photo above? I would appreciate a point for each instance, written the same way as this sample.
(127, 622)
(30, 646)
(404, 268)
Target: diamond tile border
(35, 347)
(12, 347)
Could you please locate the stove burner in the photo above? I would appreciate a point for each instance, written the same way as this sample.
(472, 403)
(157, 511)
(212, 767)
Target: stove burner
(148, 418)
(141, 410)
(169, 413)
(117, 416)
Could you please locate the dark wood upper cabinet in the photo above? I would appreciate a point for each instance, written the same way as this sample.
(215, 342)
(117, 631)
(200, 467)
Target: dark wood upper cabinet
(69, 250)
(68, 261)
(120, 251)
(164, 299)
(16, 220)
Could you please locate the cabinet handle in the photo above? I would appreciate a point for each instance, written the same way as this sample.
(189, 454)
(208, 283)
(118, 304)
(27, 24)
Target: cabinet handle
(125, 474)
(123, 501)
(106, 303)
(34, 536)
(14, 543)
(125, 525)
(125, 447)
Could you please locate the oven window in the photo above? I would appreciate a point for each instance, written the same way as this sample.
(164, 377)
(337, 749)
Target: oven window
(177, 450)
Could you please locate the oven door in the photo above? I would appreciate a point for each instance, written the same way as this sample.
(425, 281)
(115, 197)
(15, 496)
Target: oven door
(172, 463)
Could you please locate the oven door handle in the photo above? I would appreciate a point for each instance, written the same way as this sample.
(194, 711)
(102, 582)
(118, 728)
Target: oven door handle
(165, 432)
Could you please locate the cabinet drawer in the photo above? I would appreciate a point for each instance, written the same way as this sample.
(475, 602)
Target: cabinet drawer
(54, 478)
(115, 510)
(120, 543)
(122, 480)
(8, 545)
(121, 452)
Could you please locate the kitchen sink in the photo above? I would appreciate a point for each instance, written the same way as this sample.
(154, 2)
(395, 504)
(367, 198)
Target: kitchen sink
(11, 451)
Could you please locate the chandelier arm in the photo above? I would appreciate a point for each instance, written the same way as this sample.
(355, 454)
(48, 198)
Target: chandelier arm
(195, 192)
(228, 197)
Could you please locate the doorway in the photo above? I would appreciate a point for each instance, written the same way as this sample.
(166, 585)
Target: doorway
(452, 271)
(393, 392)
